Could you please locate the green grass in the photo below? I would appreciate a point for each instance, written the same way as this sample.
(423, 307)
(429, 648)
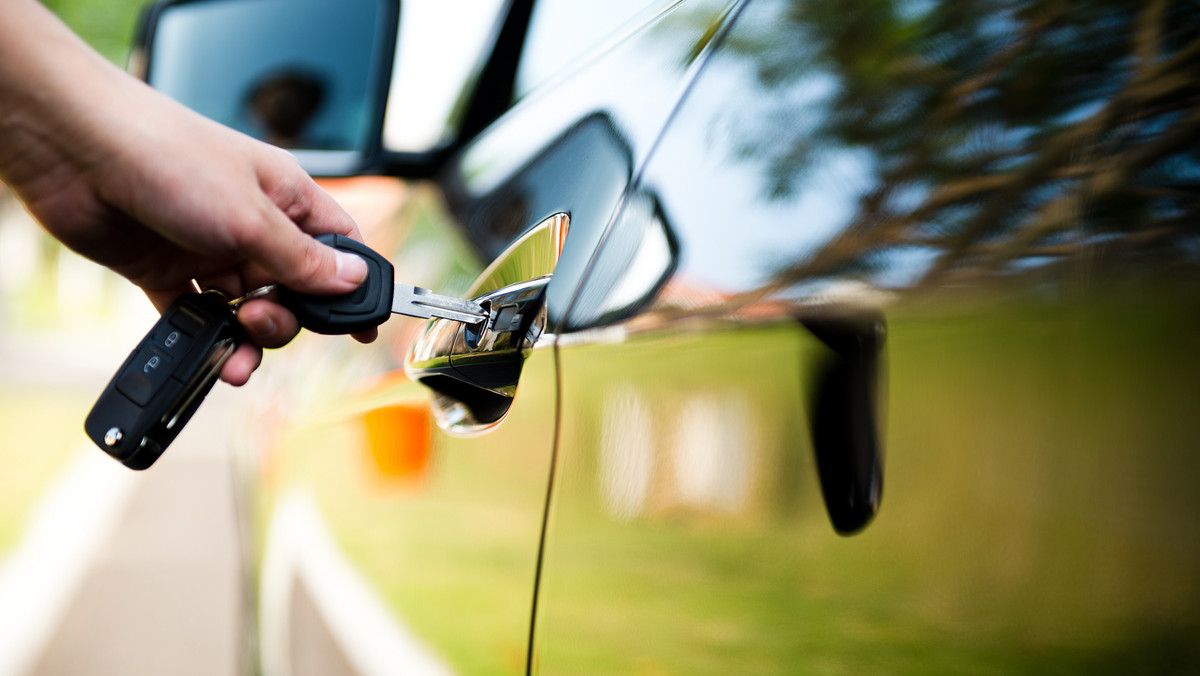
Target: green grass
(107, 26)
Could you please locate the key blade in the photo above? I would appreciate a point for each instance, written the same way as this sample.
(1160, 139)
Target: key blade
(415, 301)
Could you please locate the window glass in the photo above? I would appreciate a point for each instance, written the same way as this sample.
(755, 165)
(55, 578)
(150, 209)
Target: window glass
(440, 51)
(561, 31)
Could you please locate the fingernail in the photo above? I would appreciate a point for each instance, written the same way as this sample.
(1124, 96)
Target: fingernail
(264, 325)
(351, 268)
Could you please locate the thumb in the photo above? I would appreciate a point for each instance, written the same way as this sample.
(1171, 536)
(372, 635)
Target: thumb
(295, 209)
(301, 263)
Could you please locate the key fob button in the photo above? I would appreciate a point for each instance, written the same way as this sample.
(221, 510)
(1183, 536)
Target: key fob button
(145, 375)
(172, 340)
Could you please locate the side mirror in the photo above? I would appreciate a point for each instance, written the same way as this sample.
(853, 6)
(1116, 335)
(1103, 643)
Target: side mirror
(310, 76)
(325, 78)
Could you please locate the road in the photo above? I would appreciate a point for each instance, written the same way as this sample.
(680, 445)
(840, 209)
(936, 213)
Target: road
(121, 572)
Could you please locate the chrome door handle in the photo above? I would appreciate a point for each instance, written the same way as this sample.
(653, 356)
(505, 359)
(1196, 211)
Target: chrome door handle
(473, 370)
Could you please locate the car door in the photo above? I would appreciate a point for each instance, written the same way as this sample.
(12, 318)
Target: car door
(385, 544)
(945, 230)
(748, 264)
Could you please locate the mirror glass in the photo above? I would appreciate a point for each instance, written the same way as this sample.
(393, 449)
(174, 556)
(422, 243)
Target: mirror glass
(306, 75)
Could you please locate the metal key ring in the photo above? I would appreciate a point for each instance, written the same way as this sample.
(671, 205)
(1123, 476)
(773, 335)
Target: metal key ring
(251, 295)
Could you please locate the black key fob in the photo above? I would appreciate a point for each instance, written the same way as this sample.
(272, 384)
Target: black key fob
(364, 308)
(163, 381)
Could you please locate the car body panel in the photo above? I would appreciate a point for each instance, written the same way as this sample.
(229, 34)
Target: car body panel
(872, 347)
(452, 548)
(1038, 504)
(444, 529)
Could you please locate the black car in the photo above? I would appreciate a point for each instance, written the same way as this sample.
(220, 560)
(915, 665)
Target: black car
(731, 251)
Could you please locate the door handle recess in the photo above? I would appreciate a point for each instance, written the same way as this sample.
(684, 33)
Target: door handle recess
(473, 369)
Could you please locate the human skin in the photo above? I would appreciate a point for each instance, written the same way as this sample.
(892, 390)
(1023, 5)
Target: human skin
(167, 198)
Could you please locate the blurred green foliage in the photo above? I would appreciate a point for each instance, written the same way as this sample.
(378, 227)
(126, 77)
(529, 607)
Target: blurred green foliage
(42, 443)
(107, 26)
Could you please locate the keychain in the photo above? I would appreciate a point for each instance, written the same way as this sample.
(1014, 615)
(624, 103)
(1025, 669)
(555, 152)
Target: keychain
(166, 377)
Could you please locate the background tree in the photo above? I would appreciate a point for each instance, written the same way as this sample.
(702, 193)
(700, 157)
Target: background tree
(1006, 137)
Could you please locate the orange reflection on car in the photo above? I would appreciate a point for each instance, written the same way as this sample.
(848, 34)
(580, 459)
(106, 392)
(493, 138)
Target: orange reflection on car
(397, 431)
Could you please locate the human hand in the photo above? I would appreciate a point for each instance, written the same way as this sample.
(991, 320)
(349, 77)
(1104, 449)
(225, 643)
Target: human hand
(136, 182)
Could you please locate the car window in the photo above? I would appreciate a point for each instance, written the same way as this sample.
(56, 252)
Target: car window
(433, 70)
(562, 31)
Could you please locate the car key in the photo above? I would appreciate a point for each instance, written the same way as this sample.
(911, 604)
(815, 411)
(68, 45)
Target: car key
(164, 379)
(375, 300)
